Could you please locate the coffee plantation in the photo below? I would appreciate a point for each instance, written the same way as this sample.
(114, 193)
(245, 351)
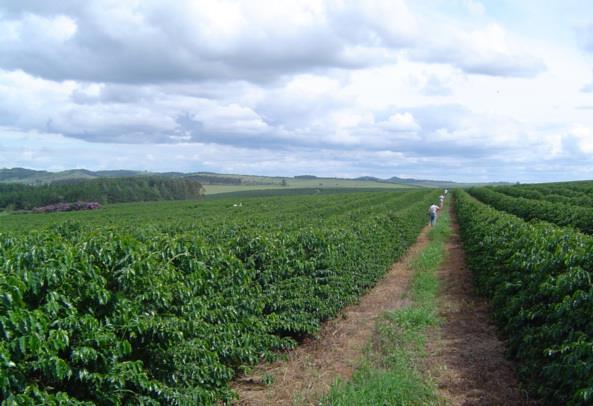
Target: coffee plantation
(538, 279)
(164, 303)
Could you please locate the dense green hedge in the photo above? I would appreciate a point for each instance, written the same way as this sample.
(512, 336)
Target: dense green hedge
(105, 190)
(577, 195)
(121, 314)
(573, 193)
(530, 209)
(538, 279)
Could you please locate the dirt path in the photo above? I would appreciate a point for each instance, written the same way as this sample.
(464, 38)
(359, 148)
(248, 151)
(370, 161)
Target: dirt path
(313, 367)
(465, 356)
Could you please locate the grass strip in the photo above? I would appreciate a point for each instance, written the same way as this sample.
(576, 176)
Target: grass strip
(390, 372)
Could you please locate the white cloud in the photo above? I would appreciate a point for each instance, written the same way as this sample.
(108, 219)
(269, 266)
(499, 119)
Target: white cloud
(310, 87)
(401, 122)
(475, 7)
(579, 141)
(232, 118)
(435, 85)
(369, 87)
(155, 42)
(487, 51)
(37, 29)
(585, 35)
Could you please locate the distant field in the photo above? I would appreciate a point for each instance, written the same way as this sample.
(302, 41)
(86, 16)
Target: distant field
(305, 183)
(254, 192)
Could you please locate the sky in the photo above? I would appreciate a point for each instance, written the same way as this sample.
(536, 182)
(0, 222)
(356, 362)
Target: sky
(462, 90)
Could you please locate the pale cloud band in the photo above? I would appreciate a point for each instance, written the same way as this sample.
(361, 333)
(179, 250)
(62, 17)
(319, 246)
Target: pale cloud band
(386, 87)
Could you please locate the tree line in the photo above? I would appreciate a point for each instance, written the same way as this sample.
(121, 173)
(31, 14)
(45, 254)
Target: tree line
(109, 190)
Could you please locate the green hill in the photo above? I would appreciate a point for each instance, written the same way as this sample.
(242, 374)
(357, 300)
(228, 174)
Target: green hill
(223, 183)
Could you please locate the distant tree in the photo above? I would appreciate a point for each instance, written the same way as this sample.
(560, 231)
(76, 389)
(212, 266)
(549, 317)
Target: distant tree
(102, 190)
(284, 182)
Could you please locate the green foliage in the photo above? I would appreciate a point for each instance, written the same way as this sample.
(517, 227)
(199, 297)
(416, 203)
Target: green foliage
(571, 193)
(538, 279)
(105, 190)
(530, 209)
(159, 306)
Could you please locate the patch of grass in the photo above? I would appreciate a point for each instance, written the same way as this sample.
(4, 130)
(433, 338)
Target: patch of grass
(390, 373)
(268, 379)
(442, 230)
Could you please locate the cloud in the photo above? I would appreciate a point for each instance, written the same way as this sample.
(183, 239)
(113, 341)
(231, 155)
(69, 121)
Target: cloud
(375, 87)
(487, 51)
(475, 7)
(306, 111)
(401, 122)
(585, 36)
(588, 88)
(436, 86)
(578, 142)
(151, 42)
(441, 155)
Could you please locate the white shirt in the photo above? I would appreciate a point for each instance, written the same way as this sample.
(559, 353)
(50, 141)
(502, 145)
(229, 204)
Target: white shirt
(433, 209)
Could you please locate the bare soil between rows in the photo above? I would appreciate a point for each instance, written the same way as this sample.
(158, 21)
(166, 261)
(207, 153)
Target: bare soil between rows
(465, 356)
(309, 370)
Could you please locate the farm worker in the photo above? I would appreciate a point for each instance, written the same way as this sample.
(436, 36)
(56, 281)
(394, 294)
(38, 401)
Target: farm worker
(446, 191)
(432, 211)
(441, 200)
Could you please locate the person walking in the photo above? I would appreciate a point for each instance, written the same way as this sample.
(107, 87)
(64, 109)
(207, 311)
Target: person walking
(441, 201)
(432, 211)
